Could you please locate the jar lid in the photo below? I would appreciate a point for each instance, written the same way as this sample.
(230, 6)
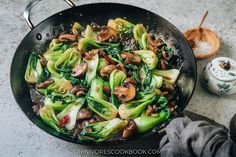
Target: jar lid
(223, 68)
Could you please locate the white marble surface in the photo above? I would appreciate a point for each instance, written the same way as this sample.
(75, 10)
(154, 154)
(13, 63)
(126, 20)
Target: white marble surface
(19, 137)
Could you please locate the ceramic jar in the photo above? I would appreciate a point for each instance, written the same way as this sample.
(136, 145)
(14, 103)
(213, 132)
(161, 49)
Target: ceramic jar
(219, 76)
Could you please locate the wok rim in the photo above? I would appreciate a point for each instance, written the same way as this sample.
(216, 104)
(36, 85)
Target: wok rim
(104, 143)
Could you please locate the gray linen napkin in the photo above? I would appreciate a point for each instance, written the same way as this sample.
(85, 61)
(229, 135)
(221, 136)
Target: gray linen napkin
(186, 138)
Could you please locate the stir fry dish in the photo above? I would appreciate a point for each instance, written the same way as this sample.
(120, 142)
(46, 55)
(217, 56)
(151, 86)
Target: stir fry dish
(104, 82)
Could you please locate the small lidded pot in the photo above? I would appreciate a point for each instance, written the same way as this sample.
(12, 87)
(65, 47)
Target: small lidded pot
(219, 76)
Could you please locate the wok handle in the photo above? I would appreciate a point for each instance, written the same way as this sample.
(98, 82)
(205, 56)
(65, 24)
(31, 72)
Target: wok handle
(30, 6)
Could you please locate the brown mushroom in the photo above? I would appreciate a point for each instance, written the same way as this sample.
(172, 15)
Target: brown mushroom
(125, 93)
(120, 66)
(67, 37)
(130, 80)
(89, 55)
(129, 129)
(154, 44)
(168, 87)
(108, 34)
(95, 26)
(79, 70)
(106, 71)
(149, 110)
(42, 60)
(45, 84)
(83, 114)
(163, 64)
(131, 58)
(78, 90)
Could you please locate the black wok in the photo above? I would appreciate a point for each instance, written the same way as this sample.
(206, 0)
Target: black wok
(39, 37)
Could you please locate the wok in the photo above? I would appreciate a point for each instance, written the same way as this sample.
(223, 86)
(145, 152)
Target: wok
(39, 37)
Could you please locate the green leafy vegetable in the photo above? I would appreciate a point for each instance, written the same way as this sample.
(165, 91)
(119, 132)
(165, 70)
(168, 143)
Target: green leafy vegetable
(162, 101)
(117, 77)
(146, 123)
(34, 69)
(170, 75)
(55, 50)
(157, 81)
(56, 105)
(120, 24)
(103, 108)
(103, 130)
(90, 34)
(68, 59)
(77, 28)
(140, 35)
(48, 116)
(148, 57)
(51, 68)
(86, 44)
(96, 90)
(71, 110)
(92, 68)
(133, 109)
(102, 63)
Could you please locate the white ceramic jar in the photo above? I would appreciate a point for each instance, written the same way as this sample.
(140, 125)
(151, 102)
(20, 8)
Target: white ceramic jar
(219, 76)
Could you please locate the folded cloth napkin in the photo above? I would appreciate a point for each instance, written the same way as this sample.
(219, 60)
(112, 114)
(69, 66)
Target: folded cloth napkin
(186, 138)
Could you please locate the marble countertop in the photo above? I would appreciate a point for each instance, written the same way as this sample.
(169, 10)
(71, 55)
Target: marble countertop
(19, 137)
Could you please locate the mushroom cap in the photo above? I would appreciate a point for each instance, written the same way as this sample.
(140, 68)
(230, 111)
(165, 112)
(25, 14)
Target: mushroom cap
(79, 70)
(108, 33)
(125, 93)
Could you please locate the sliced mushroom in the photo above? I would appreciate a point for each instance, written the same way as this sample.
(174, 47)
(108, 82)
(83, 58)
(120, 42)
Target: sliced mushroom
(108, 34)
(78, 90)
(120, 66)
(89, 55)
(67, 37)
(163, 64)
(83, 114)
(45, 84)
(149, 110)
(129, 129)
(131, 58)
(168, 87)
(154, 44)
(125, 93)
(80, 93)
(79, 70)
(95, 26)
(130, 80)
(106, 71)
(42, 60)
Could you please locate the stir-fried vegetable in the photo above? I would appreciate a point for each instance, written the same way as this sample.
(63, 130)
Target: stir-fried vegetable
(34, 69)
(48, 116)
(168, 75)
(86, 44)
(103, 130)
(120, 24)
(140, 35)
(92, 68)
(71, 111)
(145, 123)
(56, 105)
(133, 109)
(103, 108)
(90, 34)
(148, 57)
(102, 81)
(68, 59)
(96, 90)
